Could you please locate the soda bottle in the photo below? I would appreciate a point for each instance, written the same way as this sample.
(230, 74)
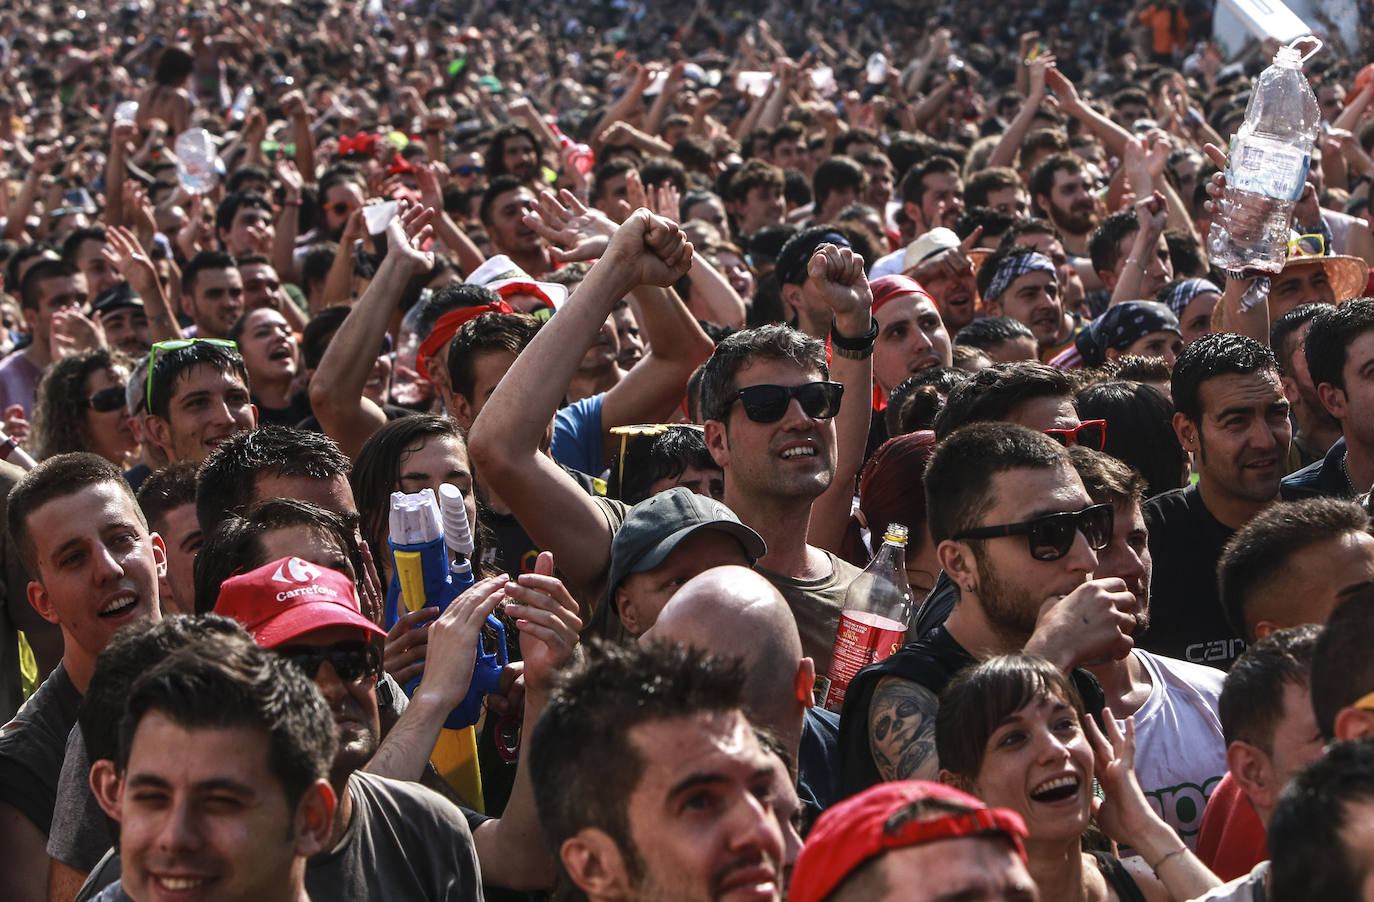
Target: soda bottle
(877, 611)
(196, 160)
(1266, 168)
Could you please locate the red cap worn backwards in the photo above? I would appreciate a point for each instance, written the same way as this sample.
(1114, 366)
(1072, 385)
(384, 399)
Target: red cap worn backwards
(891, 816)
(291, 597)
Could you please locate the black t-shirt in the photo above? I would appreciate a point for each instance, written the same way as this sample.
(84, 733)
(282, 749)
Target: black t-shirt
(32, 746)
(1186, 617)
(930, 661)
(297, 409)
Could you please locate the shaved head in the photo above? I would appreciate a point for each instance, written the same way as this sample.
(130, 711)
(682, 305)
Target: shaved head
(735, 611)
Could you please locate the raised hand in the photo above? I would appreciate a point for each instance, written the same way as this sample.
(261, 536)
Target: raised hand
(1089, 625)
(453, 640)
(653, 250)
(126, 255)
(406, 235)
(291, 180)
(573, 231)
(546, 615)
(836, 279)
(73, 332)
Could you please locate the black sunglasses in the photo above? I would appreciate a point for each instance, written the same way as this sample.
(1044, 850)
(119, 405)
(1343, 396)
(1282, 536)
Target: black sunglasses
(768, 403)
(1052, 535)
(107, 399)
(352, 661)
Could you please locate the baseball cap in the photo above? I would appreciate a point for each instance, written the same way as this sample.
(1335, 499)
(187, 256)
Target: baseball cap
(891, 816)
(657, 525)
(503, 276)
(116, 297)
(291, 597)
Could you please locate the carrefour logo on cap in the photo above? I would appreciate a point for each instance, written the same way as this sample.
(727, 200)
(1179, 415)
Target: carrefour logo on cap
(305, 575)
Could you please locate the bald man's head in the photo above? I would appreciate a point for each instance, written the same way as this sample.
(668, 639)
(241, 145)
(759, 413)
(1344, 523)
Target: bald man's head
(735, 611)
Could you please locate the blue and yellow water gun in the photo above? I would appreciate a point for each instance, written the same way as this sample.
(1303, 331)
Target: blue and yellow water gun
(431, 543)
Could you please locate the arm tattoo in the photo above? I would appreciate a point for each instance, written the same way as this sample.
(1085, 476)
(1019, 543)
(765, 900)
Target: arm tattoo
(901, 730)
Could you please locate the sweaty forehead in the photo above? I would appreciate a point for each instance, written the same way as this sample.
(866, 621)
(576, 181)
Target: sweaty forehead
(1232, 390)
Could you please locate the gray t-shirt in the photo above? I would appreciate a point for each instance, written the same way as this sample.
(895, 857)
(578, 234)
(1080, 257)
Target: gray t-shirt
(404, 842)
(80, 829)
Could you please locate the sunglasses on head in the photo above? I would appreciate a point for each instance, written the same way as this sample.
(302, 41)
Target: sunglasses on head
(468, 169)
(352, 661)
(1090, 434)
(107, 399)
(178, 344)
(1052, 535)
(768, 403)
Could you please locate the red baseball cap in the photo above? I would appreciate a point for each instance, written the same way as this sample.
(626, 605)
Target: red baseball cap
(891, 816)
(291, 597)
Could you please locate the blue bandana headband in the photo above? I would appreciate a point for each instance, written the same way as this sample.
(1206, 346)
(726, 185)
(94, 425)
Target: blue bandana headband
(1012, 268)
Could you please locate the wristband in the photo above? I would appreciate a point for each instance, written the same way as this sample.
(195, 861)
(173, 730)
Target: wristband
(1130, 260)
(857, 343)
(853, 348)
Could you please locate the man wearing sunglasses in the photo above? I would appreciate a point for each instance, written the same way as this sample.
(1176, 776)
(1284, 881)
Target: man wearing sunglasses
(788, 449)
(1233, 418)
(1018, 535)
(396, 836)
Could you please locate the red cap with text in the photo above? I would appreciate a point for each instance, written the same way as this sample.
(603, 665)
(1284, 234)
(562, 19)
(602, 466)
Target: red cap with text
(291, 597)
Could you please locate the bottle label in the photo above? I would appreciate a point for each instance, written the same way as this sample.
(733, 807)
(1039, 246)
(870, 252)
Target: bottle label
(1260, 165)
(861, 639)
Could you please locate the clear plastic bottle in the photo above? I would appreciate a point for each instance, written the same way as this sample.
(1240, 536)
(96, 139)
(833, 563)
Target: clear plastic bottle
(242, 101)
(877, 611)
(1266, 168)
(196, 160)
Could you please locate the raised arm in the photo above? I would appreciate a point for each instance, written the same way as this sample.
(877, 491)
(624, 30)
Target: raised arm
(1009, 145)
(336, 391)
(124, 253)
(1111, 134)
(504, 441)
(837, 280)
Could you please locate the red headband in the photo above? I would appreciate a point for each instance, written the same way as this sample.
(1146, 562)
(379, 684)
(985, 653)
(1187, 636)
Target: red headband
(448, 326)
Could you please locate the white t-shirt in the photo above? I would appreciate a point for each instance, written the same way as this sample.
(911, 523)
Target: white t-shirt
(1250, 888)
(1180, 754)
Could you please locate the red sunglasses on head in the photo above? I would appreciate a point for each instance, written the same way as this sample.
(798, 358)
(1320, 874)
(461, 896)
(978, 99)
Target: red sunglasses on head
(1089, 434)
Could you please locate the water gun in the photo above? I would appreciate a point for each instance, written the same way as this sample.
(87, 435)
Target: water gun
(430, 546)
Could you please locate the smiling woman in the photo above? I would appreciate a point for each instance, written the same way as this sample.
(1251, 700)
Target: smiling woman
(1012, 731)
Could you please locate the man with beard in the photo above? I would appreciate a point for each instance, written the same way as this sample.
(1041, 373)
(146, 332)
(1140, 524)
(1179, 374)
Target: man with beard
(932, 197)
(1315, 429)
(502, 211)
(1018, 536)
(1231, 413)
(514, 151)
(1060, 189)
(1180, 748)
(650, 782)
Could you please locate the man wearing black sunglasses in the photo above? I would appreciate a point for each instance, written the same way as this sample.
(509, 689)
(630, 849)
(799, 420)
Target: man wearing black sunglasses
(1018, 535)
(789, 450)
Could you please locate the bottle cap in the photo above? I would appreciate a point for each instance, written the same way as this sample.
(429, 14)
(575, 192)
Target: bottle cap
(896, 534)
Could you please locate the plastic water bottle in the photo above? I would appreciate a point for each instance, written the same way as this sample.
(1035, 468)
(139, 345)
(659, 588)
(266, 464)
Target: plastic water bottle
(126, 111)
(242, 101)
(877, 612)
(1266, 168)
(196, 159)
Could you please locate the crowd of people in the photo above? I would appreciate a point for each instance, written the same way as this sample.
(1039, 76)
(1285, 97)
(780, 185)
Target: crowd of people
(689, 305)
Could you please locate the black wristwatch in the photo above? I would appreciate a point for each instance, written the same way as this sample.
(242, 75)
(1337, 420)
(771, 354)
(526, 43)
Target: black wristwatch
(860, 348)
